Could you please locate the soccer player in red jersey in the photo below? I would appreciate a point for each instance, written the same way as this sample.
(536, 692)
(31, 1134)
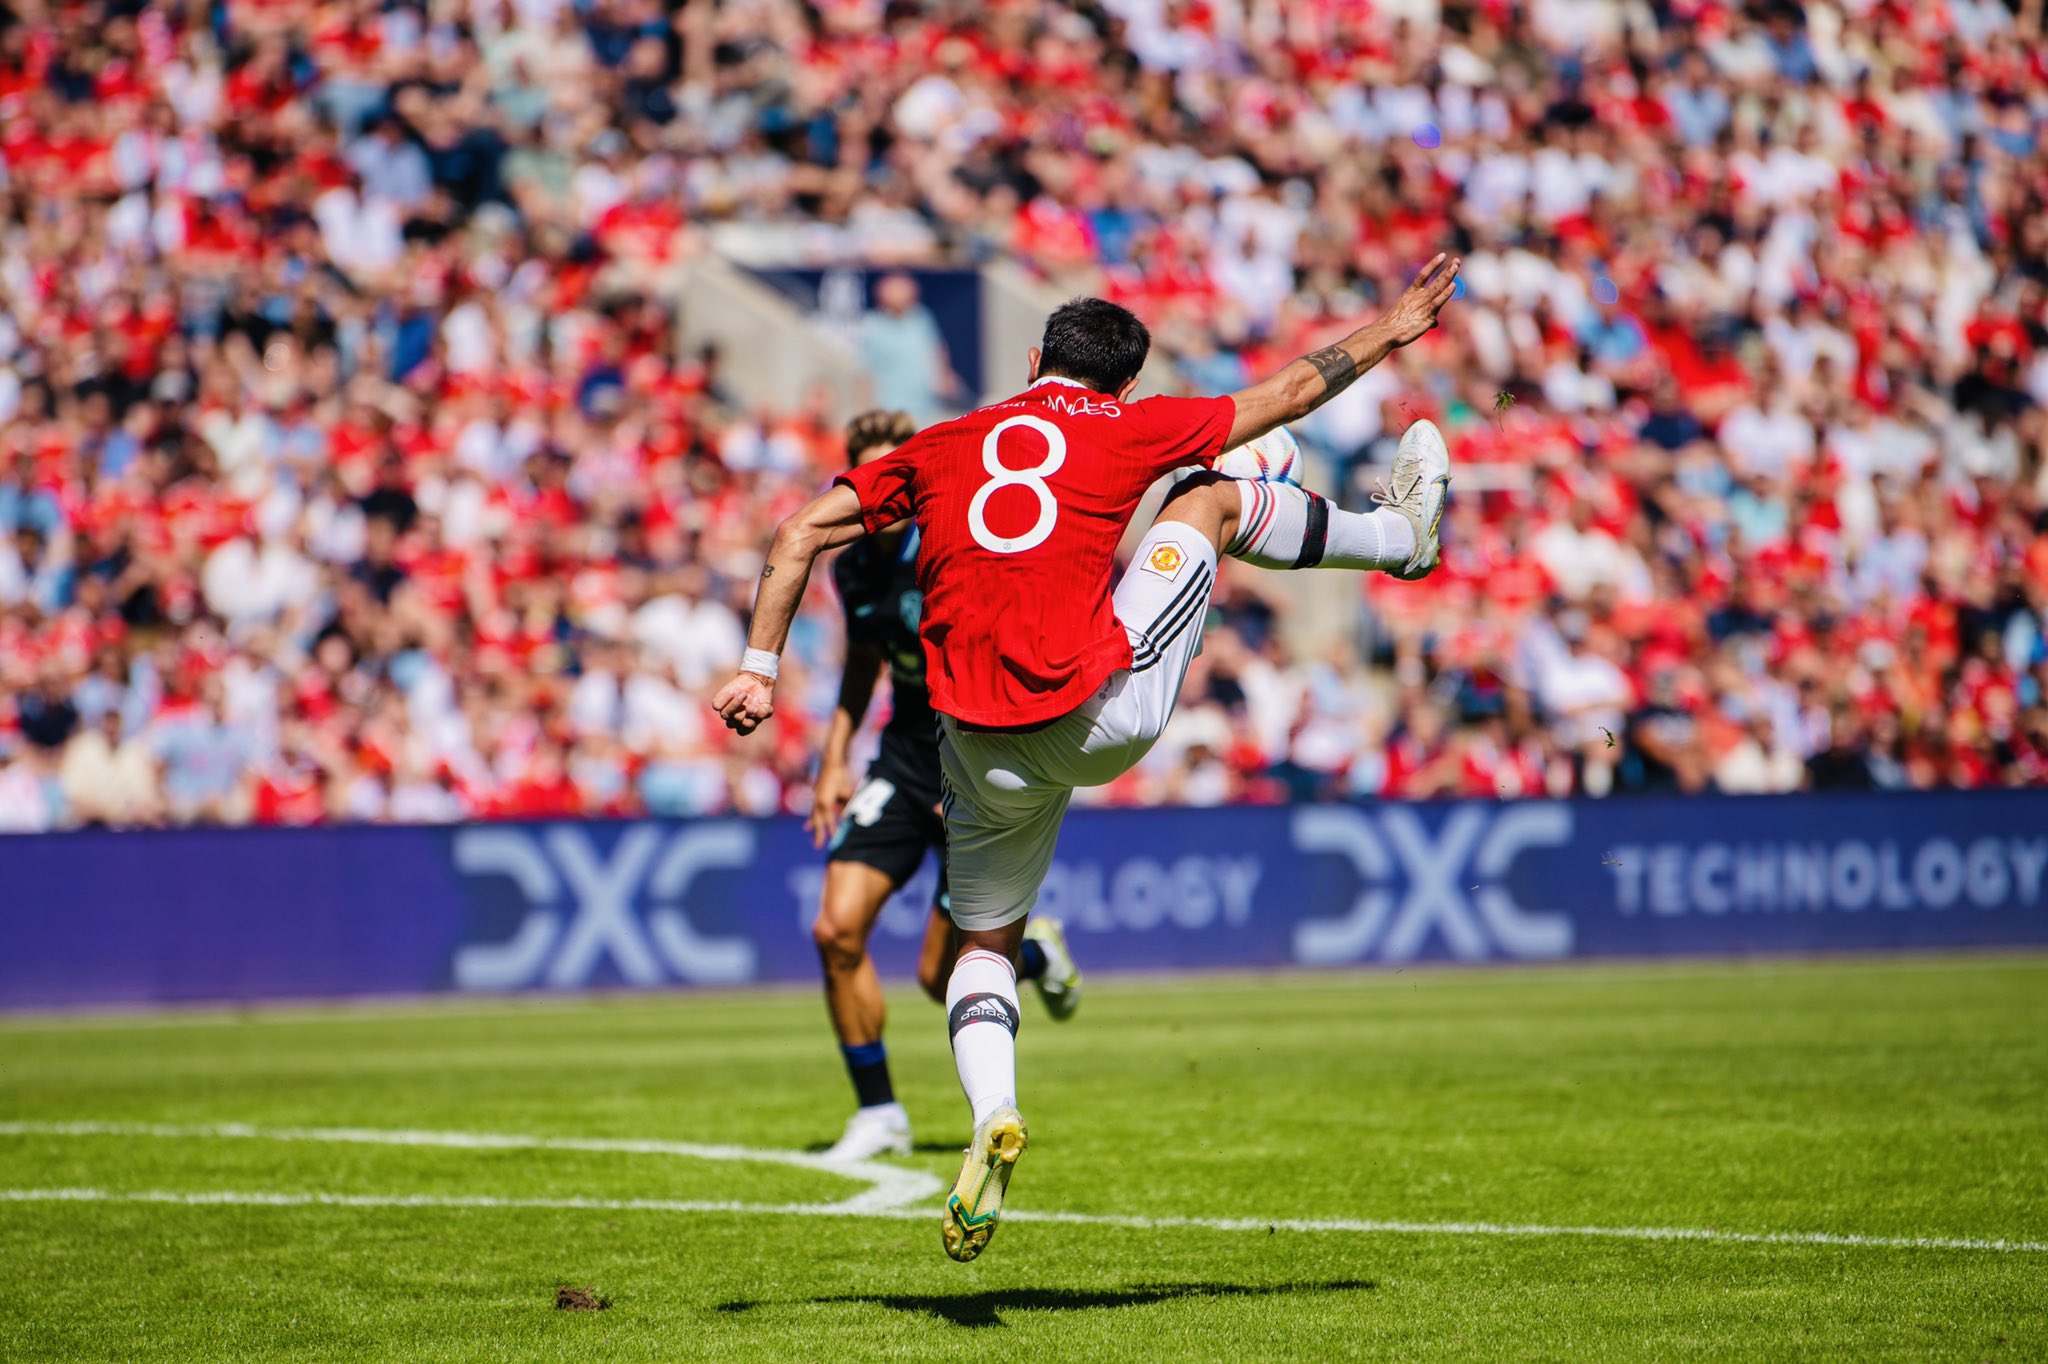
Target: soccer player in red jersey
(1047, 675)
(881, 830)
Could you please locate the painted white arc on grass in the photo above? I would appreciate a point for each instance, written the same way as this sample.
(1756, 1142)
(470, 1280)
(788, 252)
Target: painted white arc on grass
(892, 1193)
(889, 1186)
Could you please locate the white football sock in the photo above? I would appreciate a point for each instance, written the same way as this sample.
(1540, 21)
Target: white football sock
(1280, 523)
(982, 1015)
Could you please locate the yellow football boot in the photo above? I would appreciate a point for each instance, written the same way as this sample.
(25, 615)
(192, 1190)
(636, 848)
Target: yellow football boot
(977, 1197)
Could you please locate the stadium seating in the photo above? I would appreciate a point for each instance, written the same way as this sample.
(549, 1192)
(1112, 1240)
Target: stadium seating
(350, 467)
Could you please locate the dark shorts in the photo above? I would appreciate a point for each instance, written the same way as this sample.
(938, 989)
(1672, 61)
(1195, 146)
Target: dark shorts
(891, 823)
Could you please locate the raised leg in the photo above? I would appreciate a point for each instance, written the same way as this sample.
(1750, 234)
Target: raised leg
(1209, 502)
(1282, 526)
(1277, 525)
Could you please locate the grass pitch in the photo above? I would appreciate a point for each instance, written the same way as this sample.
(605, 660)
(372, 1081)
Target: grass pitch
(1874, 1099)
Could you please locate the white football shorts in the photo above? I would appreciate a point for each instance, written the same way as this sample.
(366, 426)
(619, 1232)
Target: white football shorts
(1005, 794)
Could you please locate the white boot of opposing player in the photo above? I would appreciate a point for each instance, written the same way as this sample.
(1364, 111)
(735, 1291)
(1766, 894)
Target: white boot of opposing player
(882, 1130)
(982, 1015)
(1059, 984)
(1282, 526)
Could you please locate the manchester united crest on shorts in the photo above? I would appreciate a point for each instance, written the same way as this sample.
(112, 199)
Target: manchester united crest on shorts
(1166, 561)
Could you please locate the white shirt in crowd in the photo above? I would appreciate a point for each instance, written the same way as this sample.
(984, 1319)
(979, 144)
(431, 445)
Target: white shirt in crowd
(1769, 440)
(699, 638)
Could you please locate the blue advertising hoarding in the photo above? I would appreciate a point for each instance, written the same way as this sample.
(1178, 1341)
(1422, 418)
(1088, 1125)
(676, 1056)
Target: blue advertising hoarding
(128, 918)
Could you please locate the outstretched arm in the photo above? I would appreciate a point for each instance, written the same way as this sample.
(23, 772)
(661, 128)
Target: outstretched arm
(824, 523)
(1306, 384)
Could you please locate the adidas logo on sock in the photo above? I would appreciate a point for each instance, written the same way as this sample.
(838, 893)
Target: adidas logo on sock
(982, 1008)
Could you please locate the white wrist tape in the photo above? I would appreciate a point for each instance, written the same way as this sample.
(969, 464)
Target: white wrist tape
(760, 661)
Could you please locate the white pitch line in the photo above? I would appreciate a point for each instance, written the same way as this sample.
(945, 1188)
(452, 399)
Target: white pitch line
(1356, 1226)
(1370, 1226)
(889, 1186)
(237, 1198)
(892, 1193)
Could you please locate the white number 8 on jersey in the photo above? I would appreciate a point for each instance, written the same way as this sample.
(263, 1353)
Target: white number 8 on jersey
(1003, 477)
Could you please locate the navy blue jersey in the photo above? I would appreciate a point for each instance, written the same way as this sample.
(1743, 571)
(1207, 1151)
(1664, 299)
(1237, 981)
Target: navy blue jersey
(877, 582)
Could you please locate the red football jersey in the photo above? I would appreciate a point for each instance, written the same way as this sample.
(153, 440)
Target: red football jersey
(1019, 508)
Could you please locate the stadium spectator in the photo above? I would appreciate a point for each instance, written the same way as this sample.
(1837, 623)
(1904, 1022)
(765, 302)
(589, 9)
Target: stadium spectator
(108, 778)
(903, 353)
(347, 454)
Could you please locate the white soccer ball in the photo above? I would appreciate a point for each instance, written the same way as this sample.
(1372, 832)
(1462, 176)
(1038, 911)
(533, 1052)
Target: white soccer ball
(1271, 458)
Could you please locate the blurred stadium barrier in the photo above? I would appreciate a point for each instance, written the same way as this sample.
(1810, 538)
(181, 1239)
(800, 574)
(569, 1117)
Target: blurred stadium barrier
(771, 355)
(101, 919)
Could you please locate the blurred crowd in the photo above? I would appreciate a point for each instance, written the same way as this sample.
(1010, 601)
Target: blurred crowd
(350, 467)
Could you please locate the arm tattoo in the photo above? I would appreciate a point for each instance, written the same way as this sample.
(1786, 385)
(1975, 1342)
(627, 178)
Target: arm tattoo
(769, 571)
(1336, 366)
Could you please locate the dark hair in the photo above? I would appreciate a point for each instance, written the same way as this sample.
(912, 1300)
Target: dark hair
(880, 427)
(1095, 342)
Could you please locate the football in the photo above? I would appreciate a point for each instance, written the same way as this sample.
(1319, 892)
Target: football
(1271, 458)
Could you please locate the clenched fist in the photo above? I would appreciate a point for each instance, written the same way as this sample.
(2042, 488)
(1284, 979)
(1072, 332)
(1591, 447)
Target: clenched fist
(745, 703)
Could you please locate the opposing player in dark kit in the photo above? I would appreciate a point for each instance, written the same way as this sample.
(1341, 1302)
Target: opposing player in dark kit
(1049, 671)
(881, 829)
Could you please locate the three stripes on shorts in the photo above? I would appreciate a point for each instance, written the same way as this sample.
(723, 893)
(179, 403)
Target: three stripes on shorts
(1189, 605)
